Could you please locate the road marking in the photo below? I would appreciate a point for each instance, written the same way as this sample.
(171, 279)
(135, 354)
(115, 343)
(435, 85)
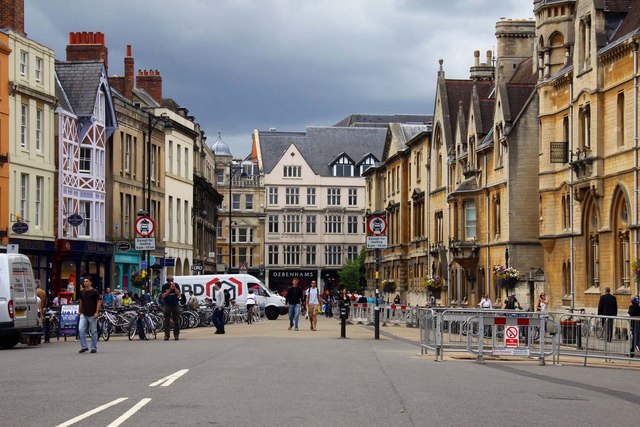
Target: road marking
(130, 412)
(91, 412)
(169, 379)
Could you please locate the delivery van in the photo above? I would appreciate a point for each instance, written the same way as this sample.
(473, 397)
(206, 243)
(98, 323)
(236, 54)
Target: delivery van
(18, 301)
(238, 286)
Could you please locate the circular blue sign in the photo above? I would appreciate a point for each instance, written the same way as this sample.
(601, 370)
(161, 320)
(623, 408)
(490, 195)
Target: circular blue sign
(20, 227)
(75, 220)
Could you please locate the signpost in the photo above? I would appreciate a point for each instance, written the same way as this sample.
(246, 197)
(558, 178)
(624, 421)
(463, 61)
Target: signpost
(377, 239)
(145, 226)
(145, 244)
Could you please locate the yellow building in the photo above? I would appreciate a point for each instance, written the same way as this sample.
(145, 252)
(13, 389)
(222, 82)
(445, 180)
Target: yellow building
(5, 50)
(587, 61)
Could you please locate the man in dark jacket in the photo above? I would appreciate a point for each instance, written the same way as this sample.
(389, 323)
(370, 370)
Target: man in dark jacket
(294, 299)
(608, 306)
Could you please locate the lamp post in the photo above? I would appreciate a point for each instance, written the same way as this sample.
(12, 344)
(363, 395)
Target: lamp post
(152, 121)
(233, 170)
(199, 210)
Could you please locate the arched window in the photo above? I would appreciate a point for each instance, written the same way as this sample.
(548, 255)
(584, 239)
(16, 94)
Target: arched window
(557, 52)
(592, 243)
(622, 248)
(620, 119)
(437, 146)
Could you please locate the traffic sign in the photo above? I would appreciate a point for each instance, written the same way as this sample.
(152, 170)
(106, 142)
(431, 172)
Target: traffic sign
(145, 226)
(196, 267)
(376, 242)
(511, 336)
(145, 244)
(377, 225)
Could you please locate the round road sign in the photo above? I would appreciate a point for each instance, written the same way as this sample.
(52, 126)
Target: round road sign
(377, 225)
(145, 226)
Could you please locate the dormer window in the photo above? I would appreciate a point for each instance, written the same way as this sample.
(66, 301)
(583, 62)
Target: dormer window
(368, 161)
(99, 108)
(343, 166)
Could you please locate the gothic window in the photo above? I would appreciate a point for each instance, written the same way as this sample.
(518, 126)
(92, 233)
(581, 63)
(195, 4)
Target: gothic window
(438, 146)
(622, 249)
(470, 220)
(584, 126)
(557, 53)
(620, 120)
(592, 244)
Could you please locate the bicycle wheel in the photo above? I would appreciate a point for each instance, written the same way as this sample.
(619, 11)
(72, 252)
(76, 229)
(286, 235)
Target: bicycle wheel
(104, 329)
(225, 316)
(151, 330)
(133, 328)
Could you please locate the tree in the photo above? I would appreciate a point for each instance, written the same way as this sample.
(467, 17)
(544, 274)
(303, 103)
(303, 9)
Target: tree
(350, 275)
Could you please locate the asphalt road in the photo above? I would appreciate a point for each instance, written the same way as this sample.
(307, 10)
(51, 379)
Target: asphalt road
(265, 375)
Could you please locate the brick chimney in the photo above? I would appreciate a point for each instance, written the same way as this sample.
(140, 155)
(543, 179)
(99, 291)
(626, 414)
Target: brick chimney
(151, 82)
(87, 46)
(128, 74)
(12, 15)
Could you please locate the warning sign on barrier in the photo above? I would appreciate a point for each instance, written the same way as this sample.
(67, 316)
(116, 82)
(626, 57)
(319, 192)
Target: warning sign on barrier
(511, 336)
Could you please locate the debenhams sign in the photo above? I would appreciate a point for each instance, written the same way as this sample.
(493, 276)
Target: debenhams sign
(290, 274)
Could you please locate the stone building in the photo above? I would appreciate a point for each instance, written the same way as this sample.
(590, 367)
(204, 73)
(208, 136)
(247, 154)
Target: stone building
(5, 50)
(587, 61)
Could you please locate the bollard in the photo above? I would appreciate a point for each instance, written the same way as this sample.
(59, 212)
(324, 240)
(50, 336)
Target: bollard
(343, 322)
(47, 332)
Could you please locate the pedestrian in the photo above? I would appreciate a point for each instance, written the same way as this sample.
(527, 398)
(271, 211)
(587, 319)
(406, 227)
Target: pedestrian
(485, 302)
(107, 298)
(634, 311)
(89, 310)
(251, 303)
(171, 294)
(396, 300)
(227, 298)
(117, 298)
(313, 299)
(43, 297)
(608, 306)
(293, 300)
(126, 300)
(193, 301)
(218, 310)
(543, 304)
(512, 302)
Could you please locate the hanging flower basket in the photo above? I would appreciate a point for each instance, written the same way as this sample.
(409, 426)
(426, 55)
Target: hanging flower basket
(388, 286)
(507, 276)
(433, 282)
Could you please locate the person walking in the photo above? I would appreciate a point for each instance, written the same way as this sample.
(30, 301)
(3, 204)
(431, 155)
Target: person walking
(171, 295)
(251, 303)
(634, 311)
(89, 310)
(485, 302)
(345, 302)
(218, 310)
(294, 298)
(608, 306)
(313, 300)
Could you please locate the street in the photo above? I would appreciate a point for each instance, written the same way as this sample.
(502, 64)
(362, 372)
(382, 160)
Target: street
(263, 374)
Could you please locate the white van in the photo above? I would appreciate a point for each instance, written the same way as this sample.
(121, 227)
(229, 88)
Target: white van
(238, 285)
(18, 301)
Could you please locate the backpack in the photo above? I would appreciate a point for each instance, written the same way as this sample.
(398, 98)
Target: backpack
(511, 302)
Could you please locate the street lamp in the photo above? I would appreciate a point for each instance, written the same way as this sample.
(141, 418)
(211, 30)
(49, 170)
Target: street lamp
(152, 121)
(198, 210)
(233, 170)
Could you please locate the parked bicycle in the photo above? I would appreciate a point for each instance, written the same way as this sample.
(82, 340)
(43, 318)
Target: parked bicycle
(142, 325)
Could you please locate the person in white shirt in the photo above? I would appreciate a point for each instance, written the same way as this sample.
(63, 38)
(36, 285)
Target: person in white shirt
(485, 302)
(251, 303)
(313, 300)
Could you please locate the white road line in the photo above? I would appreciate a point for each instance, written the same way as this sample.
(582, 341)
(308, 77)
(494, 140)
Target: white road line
(91, 412)
(169, 379)
(130, 412)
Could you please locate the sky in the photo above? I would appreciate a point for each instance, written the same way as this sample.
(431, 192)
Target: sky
(240, 65)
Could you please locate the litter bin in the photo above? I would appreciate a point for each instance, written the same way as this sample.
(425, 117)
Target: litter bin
(568, 331)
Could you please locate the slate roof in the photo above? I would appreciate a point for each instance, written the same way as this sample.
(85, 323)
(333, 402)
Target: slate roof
(80, 81)
(460, 91)
(518, 95)
(630, 24)
(61, 96)
(381, 120)
(321, 145)
(524, 73)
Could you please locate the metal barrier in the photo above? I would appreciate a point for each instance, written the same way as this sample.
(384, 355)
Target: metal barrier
(394, 314)
(362, 313)
(482, 332)
(598, 337)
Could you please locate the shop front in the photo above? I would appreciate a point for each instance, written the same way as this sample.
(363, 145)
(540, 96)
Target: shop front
(75, 259)
(280, 280)
(127, 267)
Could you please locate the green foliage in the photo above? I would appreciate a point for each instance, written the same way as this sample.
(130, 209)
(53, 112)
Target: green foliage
(350, 274)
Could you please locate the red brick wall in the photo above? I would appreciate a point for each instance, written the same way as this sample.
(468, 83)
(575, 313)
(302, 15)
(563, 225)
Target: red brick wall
(87, 46)
(151, 82)
(12, 15)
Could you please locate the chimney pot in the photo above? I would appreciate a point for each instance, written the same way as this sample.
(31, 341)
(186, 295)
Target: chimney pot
(476, 58)
(129, 50)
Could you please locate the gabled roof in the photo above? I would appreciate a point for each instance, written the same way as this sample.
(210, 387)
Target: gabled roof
(631, 22)
(80, 81)
(458, 92)
(321, 145)
(61, 96)
(518, 95)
